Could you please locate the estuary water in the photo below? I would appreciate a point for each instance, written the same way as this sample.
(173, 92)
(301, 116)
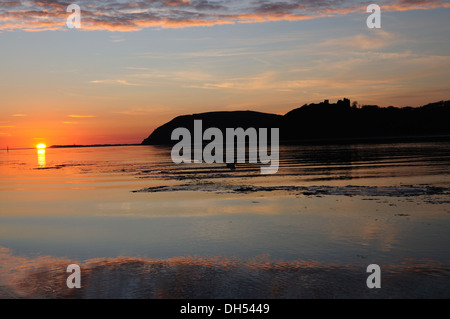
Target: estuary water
(141, 226)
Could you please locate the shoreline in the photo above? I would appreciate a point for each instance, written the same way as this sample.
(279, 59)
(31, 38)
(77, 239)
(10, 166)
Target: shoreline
(350, 140)
(313, 141)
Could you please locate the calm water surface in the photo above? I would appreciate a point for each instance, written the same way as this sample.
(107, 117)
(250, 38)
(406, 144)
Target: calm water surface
(338, 206)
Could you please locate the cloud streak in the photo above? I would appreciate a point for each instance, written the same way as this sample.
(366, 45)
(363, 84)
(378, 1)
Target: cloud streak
(121, 82)
(116, 15)
(81, 116)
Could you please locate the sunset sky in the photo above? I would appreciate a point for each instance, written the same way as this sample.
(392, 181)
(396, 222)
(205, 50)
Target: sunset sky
(133, 66)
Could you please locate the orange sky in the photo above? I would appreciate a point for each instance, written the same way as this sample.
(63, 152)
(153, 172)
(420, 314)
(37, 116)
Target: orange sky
(100, 85)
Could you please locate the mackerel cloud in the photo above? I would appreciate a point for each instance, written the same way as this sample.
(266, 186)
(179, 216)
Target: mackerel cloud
(120, 15)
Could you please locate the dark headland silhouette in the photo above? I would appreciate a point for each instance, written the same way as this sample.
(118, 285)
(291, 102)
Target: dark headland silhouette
(323, 121)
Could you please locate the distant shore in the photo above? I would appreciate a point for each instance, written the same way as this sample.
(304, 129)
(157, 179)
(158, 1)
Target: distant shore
(70, 146)
(338, 140)
(90, 145)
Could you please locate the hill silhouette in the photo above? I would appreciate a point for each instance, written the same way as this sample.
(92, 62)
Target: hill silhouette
(323, 121)
(220, 120)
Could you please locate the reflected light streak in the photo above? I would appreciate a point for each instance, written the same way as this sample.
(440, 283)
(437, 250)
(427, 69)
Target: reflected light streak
(41, 157)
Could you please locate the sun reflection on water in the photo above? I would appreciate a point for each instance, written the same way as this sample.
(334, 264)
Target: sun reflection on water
(41, 157)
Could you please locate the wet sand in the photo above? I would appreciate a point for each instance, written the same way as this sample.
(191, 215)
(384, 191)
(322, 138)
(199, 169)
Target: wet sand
(224, 278)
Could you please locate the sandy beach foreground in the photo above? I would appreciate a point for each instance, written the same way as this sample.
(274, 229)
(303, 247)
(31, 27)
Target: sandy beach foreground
(219, 278)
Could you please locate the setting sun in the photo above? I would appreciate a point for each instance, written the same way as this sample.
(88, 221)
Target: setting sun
(41, 146)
